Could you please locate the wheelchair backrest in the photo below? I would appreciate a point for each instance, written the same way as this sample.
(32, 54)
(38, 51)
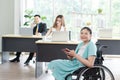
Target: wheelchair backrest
(99, 57)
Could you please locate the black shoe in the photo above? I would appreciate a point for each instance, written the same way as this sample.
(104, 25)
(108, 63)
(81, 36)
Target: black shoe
(27, 62)
(15, 60)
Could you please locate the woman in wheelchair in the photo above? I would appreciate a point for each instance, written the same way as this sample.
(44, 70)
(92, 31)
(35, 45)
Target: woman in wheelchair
(84, 55)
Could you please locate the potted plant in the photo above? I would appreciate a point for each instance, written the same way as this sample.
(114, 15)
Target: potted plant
(29, 17)
(100, 11)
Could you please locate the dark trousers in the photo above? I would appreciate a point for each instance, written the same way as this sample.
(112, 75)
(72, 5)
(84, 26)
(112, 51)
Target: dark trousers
(29, 57)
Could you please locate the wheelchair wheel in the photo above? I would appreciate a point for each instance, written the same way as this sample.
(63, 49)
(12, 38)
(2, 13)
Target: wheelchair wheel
(74, 75)
(96, 73)
(68, 77)
(107, 74)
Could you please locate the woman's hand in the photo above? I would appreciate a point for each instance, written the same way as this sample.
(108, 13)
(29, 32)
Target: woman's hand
(71, 53)
(68, 52)
(69, 57)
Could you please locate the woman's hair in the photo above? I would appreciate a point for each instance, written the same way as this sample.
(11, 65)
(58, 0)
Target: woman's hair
(62, 21)
(87, 29)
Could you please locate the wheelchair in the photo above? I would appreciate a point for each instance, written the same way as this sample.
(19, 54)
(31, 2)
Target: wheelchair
(98, 72)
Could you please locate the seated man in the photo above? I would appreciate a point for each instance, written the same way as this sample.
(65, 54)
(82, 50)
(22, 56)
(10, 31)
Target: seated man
(38, 30)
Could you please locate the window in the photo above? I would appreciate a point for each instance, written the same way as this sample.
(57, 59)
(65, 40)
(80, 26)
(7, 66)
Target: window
(77, 13)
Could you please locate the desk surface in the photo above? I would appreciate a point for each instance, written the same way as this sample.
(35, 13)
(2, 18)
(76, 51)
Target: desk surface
(114, 38)
(50, 42)
(70, 42)
(20, 36)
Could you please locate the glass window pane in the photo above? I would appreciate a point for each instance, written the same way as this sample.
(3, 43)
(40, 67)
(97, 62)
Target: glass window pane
(78, 13)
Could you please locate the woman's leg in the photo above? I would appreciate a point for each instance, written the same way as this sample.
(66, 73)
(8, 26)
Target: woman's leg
(60, 68)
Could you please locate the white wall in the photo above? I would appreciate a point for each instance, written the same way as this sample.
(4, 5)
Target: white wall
(17, 5)
(8, 18)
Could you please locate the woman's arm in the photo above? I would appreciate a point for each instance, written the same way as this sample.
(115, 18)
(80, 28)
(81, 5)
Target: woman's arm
(64, 28)
(87, 62)
(48, 32)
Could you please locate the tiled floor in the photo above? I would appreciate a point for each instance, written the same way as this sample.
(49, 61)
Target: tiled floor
(18, 71)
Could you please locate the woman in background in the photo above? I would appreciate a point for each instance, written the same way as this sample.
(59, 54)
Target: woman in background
(59, 25)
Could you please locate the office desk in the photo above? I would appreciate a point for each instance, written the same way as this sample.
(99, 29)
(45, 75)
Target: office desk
(113, 45)
(17, 43)
(47, 51)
